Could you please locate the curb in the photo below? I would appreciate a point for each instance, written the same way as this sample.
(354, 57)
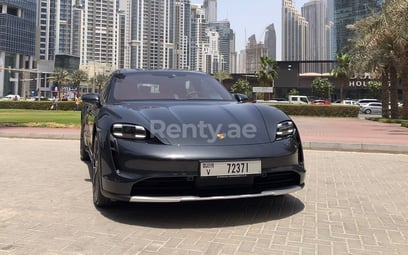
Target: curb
(381, 148)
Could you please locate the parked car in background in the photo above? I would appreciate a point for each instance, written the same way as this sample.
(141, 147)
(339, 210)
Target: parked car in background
(320, 101)
(11, 97)
(348, 102)
(362, 102)
(296, 99)
(371, 108)
(174, 136)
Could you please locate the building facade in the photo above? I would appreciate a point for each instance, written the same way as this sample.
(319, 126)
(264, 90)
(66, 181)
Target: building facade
(99, 36)
(348, 12)
(226, 39)
(210, 7)
(17, 45)
(295, 31)
(150, 34)
(270, 41)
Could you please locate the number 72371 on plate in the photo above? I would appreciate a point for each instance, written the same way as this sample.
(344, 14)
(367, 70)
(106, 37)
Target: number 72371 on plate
(230, 168)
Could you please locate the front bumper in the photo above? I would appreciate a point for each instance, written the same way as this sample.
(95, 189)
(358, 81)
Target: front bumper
(162, 173)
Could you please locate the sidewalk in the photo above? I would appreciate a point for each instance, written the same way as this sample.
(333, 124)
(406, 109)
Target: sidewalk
(349, 134)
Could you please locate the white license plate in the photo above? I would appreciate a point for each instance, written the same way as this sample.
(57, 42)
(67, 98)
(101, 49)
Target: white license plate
(230, 168)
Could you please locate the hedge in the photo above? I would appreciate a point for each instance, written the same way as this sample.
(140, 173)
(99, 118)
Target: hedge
(37, 105)
(319, 110)
(290, 109)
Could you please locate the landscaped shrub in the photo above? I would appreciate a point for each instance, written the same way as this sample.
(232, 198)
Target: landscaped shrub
(37, 105)
(319, 110)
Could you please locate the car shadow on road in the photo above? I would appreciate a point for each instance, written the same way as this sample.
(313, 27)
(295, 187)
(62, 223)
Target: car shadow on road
(205, 214)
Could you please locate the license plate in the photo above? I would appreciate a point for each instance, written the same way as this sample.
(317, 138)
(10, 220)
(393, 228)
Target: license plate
(230, 168)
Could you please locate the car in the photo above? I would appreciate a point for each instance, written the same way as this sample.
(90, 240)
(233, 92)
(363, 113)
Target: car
(11, 97)
(371, 108)
(174, 136)
(362, 102)
(320, 101)
(349, 102)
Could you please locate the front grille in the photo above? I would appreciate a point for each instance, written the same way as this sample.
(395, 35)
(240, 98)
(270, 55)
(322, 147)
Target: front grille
(194, 186)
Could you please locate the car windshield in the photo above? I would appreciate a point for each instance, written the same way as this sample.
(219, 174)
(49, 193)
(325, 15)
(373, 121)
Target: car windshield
(168, 86)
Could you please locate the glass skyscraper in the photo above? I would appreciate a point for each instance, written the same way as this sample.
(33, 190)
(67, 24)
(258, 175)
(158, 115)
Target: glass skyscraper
(348, 12)
(17, 42)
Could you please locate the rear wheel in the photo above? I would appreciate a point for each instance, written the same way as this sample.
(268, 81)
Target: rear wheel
(368, 111)
(99, 200)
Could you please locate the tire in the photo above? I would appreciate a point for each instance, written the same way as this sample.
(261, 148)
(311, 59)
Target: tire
(82, 152)
(99, 200)
(368, 111)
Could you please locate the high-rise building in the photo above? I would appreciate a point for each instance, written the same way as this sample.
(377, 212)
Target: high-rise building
(210, 7)
(270, 41)
(182, 29)
(348, 12)
(226, 39)
(212, 57)
(254, 51)
(99, 47)
(197, 37)
(17, 44)
(295, 31)
(150, 34)
(59, 28)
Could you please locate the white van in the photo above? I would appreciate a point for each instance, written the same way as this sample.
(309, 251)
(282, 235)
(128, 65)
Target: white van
(296, 99)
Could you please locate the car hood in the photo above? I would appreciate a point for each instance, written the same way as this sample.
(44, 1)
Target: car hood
(206, 123)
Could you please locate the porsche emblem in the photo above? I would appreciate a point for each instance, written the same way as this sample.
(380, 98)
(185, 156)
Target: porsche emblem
(220, 136)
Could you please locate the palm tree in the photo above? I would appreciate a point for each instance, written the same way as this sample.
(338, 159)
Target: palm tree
(60, 77)
(268, 72)
(382, 40)
(342, 71)
(77, 77)
(99, 81)
(222, 75)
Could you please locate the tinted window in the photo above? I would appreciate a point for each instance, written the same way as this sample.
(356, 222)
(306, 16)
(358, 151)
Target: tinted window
(168, 86)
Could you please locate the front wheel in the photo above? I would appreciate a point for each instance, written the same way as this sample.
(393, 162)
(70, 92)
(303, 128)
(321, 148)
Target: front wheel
(368, 111)
(99, 199)
(82, 152)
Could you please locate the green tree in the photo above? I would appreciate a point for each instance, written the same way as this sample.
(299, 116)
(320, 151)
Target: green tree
(98, 82)
(374, 88)
(322, 87)
(268, 72)
(293, 92)
(77, 77)
(342, 71)
(242, 86)
(60, 78)
(382, 42)
(222, 75)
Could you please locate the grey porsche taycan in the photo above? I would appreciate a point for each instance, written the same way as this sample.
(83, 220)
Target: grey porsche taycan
(174, 136)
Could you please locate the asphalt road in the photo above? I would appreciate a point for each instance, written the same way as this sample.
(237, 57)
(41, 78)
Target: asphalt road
(353, 203)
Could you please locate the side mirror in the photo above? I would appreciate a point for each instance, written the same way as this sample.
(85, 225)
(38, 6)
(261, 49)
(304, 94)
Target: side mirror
(241, 98)
(91, 98)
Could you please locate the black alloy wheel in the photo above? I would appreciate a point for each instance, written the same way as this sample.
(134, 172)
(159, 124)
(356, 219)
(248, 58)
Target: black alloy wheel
(82, 152)
(98, 199)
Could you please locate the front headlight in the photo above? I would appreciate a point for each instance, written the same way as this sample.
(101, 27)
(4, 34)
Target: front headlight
(129, 131)
(285, 129)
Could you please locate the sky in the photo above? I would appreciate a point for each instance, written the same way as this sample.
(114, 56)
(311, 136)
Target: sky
(248, 17)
